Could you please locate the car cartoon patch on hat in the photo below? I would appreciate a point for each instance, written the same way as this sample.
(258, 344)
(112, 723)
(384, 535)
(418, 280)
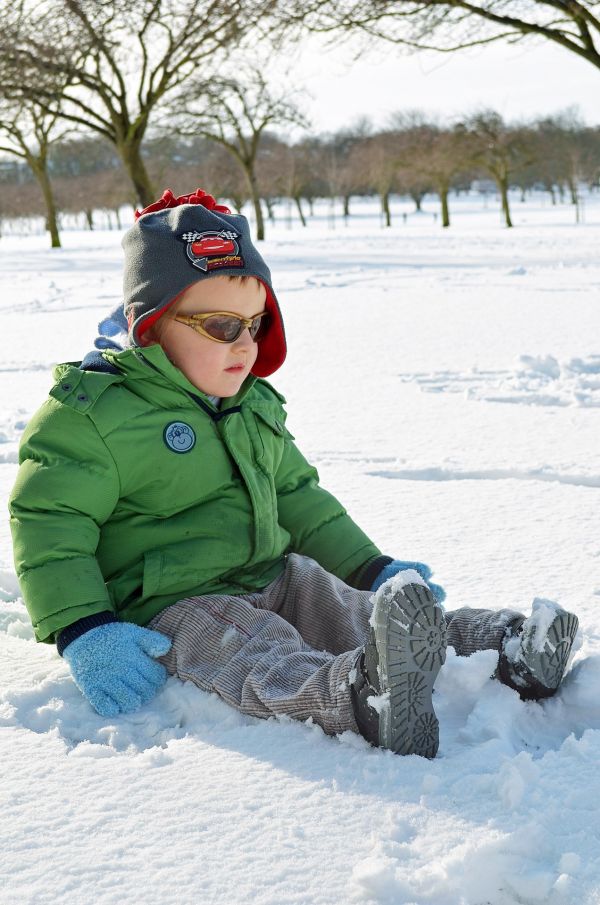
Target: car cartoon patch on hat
(212, 249)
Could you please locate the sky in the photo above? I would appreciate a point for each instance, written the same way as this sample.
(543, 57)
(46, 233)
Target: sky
(519, 81)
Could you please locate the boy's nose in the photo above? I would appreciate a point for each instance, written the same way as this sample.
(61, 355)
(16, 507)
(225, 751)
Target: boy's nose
(244, 339)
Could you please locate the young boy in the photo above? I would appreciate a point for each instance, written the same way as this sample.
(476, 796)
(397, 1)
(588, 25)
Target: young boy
(165, 522)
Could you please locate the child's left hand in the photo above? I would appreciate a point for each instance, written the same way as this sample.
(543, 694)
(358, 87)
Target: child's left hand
(399, 565)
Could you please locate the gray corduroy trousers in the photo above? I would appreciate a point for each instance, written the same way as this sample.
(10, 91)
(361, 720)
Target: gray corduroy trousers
(291, 649)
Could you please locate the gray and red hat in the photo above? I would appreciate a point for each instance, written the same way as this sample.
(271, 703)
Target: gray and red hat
(177, 242)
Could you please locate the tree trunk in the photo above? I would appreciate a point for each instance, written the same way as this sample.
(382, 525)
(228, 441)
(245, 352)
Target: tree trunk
(502, 184)
(573, 189)
(136, 170)
(346, 205)
(417, 199)
(300, 211)
(41, 174)
(118, 217)
(385, 207)
(311, 206)
(89, 217)
(260, 222)
(270, 211)
(445, 208)
(254, 194)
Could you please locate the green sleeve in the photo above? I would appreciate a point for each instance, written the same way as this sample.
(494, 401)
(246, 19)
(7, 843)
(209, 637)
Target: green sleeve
(319, 525)
(67, 486)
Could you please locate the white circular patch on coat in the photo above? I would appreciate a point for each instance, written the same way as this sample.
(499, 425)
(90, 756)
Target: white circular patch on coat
(179, 436)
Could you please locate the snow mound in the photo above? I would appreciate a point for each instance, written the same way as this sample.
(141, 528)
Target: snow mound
(540, 380)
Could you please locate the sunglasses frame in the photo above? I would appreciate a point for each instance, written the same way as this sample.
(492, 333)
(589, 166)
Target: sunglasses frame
(195, 321)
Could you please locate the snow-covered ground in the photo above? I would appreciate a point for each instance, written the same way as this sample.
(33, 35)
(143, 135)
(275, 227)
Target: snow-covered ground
(447, 386)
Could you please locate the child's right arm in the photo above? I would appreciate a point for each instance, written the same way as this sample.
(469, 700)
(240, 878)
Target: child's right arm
(66, 487)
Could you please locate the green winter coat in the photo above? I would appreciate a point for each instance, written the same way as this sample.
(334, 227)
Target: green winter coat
(134, 491)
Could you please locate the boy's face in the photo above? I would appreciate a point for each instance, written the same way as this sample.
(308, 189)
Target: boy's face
(217, 369)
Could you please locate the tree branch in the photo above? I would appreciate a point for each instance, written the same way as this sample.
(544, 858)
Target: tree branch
(97, 40)
(374, 18)
(13, 152)
(141, 38)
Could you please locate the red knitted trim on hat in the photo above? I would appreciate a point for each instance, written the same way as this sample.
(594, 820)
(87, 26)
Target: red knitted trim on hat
(168, 200)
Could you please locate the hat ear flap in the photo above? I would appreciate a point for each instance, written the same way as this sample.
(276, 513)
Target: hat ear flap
(272, 347)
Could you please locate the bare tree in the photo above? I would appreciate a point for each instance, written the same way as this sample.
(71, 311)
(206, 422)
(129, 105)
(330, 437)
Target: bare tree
(123, 59)
(564, 154)
(236, 114)
(442, 156)
(449, 25)
(283, 174)
(88, 176)
(412, 134)
(446, 162)
(28, 133)
(500, 152)
(310, 156)
(549, 166)
(532, 174)
(377, 160)
(590, 141)
(342, 143)
(573, 153)
(335, 174)
(21, 202)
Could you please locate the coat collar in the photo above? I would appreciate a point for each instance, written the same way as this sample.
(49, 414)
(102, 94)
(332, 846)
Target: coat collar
(151, 363)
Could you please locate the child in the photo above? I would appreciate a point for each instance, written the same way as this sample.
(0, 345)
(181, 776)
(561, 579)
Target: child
(165, 522)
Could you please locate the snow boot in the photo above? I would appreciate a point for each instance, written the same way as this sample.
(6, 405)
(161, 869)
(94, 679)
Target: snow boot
(405, 649)
(536, 651)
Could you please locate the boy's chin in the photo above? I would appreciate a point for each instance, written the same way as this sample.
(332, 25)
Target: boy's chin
(224, 388)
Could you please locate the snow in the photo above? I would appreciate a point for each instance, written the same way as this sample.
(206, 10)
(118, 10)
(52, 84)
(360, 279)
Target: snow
(379, 702)
(394, 584)
(446, 383)
(531, 381)
(542, 613)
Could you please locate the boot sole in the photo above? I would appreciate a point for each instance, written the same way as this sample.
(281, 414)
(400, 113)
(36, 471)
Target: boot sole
(409, 631)
(547, 662)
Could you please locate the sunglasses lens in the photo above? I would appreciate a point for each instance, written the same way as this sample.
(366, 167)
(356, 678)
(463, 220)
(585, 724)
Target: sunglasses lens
(227, 328)
(223, 328)
(259, 326)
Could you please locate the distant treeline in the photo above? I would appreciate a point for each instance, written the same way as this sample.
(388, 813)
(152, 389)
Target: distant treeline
(412, 157)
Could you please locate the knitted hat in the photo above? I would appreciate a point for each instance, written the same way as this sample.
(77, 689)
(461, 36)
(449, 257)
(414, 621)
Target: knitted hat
(177, 242)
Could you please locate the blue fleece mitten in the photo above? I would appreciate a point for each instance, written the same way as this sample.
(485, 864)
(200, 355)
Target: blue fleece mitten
(113, 666)
(399, 565)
